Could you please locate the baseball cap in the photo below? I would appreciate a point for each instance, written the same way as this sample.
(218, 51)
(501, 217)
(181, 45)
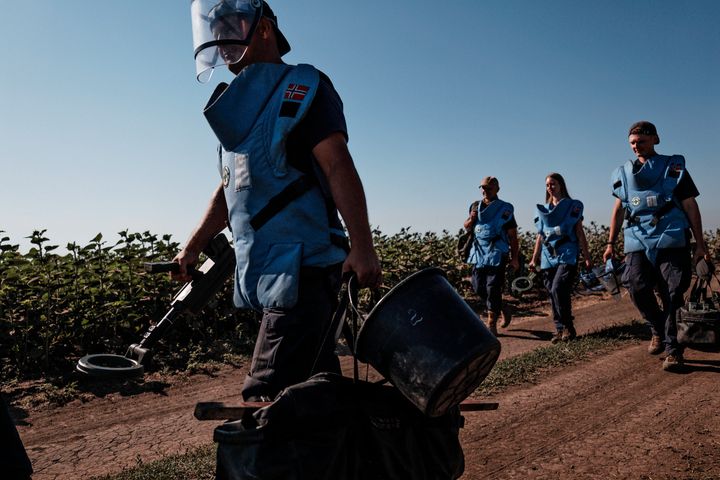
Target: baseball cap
(283, 45)
(642, 128)
(489, 181)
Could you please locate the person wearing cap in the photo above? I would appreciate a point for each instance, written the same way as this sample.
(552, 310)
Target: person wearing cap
(285, 172)
(559, 240)
(493, 223)
(655, 195)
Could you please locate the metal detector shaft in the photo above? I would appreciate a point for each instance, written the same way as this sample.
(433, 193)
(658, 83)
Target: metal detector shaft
(207, 281)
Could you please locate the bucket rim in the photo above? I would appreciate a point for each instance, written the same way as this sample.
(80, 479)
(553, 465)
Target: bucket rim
(492, 356)
(393, 291)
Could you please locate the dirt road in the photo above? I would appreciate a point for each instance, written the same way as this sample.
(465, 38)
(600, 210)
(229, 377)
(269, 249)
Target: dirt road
(618, 416)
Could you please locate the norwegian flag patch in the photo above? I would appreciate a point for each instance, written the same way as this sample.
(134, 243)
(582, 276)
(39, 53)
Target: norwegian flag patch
(296, 92)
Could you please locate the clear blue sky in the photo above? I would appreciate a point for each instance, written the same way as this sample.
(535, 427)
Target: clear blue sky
(101, 126)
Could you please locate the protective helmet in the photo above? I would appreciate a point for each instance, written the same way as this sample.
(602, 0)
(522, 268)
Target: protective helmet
(223, 29)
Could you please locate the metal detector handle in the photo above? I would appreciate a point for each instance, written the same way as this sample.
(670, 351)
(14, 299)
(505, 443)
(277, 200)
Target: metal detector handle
(172, 267)
(207, 280)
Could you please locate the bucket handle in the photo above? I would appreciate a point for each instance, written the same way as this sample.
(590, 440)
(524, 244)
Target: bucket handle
(347, 298)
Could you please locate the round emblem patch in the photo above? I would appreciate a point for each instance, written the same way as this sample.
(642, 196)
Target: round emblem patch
(226, 176)
(635, 201)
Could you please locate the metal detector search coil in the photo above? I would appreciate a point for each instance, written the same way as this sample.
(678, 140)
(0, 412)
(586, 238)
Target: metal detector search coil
(109, 365)
(522, 284)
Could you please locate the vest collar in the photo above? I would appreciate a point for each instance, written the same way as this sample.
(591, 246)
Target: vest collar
(650, 172)
(490, 211)
(555, 216)
(233, 111)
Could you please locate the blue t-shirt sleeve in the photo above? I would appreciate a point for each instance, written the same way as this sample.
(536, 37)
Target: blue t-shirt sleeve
(324, 117)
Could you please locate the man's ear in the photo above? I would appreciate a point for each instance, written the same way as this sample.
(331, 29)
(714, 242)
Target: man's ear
(264, 28)
(657, 139)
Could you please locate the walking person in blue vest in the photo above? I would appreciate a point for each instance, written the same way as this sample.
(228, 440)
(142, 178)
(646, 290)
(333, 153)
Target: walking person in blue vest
(655, 195)
(493, 222)
(559, 240)
(285, 172)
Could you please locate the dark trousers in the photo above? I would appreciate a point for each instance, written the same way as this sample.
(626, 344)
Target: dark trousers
(14, 462)
(670, 277)
(488, 284)
(289, 340)
(559, 283)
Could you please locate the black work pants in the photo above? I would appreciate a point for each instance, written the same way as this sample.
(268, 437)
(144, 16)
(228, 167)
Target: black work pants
(670, 277)
(13, 458)
(559, 282)
(290, 340)
(488, 283)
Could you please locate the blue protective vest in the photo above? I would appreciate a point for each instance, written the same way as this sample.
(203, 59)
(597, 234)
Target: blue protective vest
(278, 216)
(491, 241)
(556, 226)
(654, 219)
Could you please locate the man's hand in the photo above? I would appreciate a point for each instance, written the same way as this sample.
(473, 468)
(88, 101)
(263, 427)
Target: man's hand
(515, 264)
(186, 258)
(365, 266)
(609, 252)
(700, 253)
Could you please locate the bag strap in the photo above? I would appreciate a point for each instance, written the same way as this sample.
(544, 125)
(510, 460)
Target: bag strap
(697, 291)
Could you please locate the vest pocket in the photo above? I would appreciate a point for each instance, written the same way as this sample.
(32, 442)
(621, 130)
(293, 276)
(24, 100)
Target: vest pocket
(278, 283)
(239, 165)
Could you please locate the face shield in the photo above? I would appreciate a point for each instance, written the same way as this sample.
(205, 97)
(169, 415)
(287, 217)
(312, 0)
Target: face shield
(222, 31)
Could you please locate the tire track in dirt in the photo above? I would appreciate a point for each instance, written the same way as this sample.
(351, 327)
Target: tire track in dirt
(615, 417)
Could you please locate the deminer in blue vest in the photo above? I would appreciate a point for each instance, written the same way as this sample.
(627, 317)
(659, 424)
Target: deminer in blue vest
(493, 222)
(559, 240)
(655, 195)
(285, 172)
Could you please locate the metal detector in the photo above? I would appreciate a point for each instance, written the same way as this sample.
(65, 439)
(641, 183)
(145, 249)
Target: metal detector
(207, 280)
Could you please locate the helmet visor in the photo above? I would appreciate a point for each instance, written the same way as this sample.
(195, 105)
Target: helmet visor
(222, 31)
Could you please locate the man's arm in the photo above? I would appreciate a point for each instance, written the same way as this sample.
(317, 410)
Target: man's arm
(535, 260)
(691, 209)
(213, 221)
(472, 218)
(616, 219)
(336, 163)
(514, 249)
(582, 240)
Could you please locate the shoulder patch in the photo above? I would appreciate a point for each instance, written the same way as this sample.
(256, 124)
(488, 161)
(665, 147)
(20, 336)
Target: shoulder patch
(675, 169)
(575, 212)
(289, 109)
(506, 214)
(292, 99)
(617, 184)
(296, 92)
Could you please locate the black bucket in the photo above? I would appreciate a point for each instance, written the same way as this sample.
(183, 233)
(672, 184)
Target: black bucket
(427, 341)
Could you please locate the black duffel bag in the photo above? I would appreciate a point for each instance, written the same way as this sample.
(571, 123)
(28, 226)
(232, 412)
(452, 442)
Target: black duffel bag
(698, 321)
(330, 427)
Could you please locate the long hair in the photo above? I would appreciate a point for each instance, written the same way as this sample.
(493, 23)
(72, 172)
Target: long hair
(563, 187)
